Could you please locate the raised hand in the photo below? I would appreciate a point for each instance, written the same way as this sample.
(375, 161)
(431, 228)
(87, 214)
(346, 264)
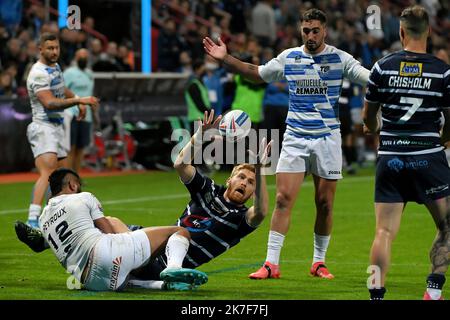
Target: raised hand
(209, 122)
(82, 112)
(262, 158)
(217, 51)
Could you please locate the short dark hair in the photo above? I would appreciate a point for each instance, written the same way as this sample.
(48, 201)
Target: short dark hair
(415, 20)
(314, 14)
(47, 36)
(58, 179)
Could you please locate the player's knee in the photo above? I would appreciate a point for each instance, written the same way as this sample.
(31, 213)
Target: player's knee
(324, 205)
(183, 232)
(385, 233)
(283, 201)
(46, 168)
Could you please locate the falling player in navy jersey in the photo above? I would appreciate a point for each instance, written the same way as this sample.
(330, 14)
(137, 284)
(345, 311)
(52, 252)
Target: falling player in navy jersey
(216, 216)
(312, 142)
(413, 90)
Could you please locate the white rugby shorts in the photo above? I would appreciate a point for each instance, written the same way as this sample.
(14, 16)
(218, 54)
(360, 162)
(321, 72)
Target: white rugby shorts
(114, 257)
(47, 138)
(321, 157)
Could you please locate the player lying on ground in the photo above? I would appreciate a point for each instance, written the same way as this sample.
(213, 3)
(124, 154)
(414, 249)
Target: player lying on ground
(86, 244)
(216, 216)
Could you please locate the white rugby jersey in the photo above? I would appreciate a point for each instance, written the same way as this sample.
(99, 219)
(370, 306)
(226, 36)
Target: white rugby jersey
(44, 77)
(315, 83)
(67, 223)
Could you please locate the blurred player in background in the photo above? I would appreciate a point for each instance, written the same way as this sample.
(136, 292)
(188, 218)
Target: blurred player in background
(312, 142)
(350, 116)
(84, 242)
(80, 81)
(216, 217)
(48, 98)
(413, 89)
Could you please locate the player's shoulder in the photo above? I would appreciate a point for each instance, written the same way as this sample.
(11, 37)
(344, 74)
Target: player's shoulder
(439, 66)
(329, 49)
(38, 70)
(331, 54)
(87, 196)
(433, 63)
(291, 52)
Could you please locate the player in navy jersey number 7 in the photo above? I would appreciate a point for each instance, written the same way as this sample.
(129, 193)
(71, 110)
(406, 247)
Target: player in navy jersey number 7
(412, 88)
(312, 141)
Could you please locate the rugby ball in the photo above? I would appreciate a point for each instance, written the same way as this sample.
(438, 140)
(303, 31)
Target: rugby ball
(235, 125)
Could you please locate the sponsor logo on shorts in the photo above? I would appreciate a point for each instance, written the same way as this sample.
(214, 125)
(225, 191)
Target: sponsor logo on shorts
(436, 189)
(396, 164)
(334, 172)
(115, 273)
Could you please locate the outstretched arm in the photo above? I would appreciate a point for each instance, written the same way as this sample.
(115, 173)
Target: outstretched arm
(256, 214)
(219, 52)
(182, 164)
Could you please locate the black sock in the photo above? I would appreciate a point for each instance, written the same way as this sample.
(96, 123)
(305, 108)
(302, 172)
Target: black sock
(435, 281)
(347, 154)
(377, 293)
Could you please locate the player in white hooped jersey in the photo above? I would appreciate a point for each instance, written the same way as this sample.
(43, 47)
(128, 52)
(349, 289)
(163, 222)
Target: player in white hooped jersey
(86, 245)
(46, 134)
(312, 142)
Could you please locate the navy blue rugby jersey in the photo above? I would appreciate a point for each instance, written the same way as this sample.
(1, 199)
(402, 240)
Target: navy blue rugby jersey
(215, 224)
(413, 89)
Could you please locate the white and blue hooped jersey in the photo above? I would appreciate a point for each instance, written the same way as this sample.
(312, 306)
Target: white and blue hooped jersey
(44, 77)
(315, 83)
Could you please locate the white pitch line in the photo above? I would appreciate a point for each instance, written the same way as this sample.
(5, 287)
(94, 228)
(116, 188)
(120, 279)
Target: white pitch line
(183, 195)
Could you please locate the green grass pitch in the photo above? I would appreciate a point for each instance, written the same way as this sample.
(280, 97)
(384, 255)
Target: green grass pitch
(157, 198)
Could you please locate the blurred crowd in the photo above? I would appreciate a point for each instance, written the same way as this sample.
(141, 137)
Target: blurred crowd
(21, 24)
(254, 31)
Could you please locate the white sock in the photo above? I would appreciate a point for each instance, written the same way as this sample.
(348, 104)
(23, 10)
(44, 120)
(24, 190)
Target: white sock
(34, 211)
(148, 284)
(176, 249)
(435, 294)
(320, 247)
(274, 245)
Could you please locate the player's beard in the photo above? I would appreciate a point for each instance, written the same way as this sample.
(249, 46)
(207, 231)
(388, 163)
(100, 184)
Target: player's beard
(51, 59)
(237, 197)
(312, 46)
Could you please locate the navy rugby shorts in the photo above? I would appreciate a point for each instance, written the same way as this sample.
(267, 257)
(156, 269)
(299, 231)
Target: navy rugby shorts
(418, 178)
